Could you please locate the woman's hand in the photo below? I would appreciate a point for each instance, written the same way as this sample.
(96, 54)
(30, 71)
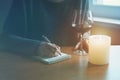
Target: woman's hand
(47, 50)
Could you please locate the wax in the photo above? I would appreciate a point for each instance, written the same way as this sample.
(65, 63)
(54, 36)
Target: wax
(99, 47)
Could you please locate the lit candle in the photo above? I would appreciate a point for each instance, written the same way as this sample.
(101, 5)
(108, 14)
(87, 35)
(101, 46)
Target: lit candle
(99, 46)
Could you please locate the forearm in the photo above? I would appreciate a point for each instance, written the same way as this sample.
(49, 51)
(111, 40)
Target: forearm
(18, 45)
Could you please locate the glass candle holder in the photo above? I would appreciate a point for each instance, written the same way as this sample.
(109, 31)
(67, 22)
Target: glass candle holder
(99, 47)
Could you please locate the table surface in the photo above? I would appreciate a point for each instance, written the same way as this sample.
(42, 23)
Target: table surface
(14, 67)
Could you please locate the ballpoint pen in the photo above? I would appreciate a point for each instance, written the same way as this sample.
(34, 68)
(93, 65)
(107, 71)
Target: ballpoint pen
(46, 38)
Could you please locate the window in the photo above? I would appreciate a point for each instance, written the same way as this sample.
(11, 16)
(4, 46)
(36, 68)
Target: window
(105, 8)
(107, 2)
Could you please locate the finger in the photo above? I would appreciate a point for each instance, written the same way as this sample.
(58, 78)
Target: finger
(55, 48)
(59, 52)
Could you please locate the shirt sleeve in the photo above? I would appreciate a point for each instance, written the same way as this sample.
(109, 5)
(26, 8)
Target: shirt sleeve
(18, 45)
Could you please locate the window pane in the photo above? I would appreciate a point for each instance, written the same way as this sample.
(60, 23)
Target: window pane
(102, 8)
(107, 2)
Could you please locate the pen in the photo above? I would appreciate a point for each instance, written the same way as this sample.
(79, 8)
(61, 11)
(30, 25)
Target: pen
(46, 38)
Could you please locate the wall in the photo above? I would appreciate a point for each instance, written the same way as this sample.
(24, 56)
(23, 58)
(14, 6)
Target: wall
(112, 30)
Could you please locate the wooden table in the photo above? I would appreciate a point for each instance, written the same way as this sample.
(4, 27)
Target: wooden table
(14, 67)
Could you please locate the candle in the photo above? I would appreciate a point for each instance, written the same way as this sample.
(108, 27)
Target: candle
(99, 46)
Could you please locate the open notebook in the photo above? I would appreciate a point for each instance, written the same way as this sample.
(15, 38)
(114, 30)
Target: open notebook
(52, 60)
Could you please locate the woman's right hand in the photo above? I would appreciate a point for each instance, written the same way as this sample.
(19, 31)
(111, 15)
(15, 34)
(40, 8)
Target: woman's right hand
(48, 50)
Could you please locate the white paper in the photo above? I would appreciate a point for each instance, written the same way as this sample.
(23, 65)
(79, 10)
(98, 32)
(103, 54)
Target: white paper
(51, 60)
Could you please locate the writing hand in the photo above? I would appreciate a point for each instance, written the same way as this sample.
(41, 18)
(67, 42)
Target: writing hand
(47, 50)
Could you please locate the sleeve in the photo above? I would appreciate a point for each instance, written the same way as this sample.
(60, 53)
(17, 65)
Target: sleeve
(18, 45)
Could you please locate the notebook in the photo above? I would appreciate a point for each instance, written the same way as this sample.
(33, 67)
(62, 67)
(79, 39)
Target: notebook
(52, 60)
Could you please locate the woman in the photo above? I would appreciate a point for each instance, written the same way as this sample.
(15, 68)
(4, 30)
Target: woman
(28, 20)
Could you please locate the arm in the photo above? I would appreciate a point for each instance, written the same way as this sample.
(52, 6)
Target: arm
(27, 47)
(19, 45)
